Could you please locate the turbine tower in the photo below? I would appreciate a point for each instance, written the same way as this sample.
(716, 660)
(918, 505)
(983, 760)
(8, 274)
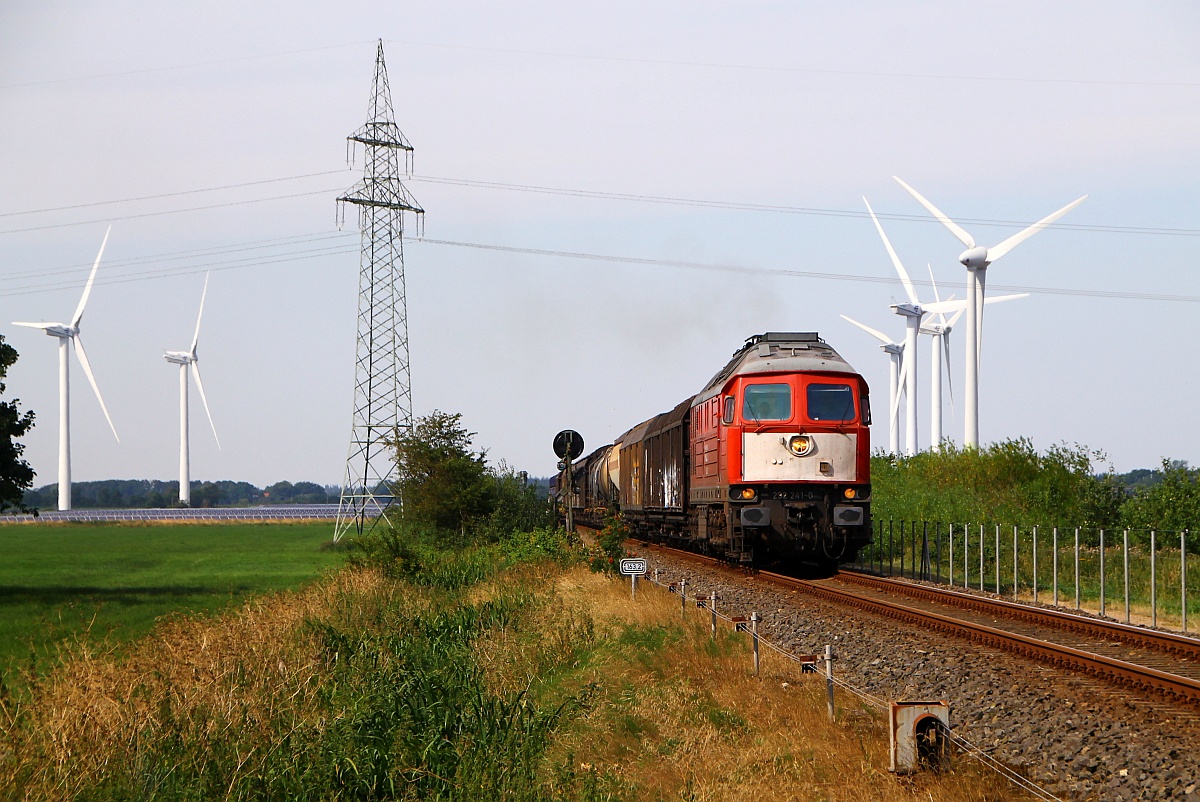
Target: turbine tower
(187, 360)
(382, 382)
(976, 259)
(895, 351)
(66, 335)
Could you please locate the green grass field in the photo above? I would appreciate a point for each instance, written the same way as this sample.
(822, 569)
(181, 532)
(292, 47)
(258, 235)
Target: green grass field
(113, 581)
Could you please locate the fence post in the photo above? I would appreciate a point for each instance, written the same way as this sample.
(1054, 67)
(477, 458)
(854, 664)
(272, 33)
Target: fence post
(1126, 576)
(997, 559)
(1077, 568)
(1153, 583)
(829, 679)
(754, 639)
(925, 550)
(902, 549)
(656, 570)
(937, 539)
(966, 557)
(1015, 562)
(891, 548)
(951, 580)
(1101, 572)
(1035, 576)
(1183, 578)
(1055, 570)
(712, 606)
(981, 556)
(683, 598)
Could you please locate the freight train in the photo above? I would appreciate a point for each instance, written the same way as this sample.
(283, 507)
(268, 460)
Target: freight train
(768, 464)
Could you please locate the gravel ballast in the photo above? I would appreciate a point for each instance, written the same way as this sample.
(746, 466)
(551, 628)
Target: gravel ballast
(1077, 737)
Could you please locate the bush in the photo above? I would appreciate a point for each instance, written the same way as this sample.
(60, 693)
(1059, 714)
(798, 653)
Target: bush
(610, 545)
(1172, 504)
(1006, 481)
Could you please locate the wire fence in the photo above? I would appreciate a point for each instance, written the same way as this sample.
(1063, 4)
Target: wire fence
(1136, 575)
(274, 512)
(810, 663)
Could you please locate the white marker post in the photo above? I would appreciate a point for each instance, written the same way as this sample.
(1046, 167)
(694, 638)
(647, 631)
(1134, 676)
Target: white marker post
(632, 567)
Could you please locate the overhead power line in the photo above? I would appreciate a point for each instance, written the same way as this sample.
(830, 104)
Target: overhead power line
(816, 211)
(805, 70)
(327, 244)
(172, 194)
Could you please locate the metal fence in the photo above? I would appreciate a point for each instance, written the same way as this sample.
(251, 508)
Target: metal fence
(1138, 576)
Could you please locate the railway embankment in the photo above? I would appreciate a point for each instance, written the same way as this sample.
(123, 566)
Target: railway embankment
(1077, 736)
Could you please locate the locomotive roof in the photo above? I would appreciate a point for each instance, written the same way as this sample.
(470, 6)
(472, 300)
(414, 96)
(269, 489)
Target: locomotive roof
(778, 352)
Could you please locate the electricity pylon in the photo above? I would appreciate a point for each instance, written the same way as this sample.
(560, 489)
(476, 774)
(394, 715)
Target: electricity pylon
(382, 382)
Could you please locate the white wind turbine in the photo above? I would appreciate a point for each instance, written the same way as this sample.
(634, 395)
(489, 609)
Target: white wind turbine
(913, 313)
(894, 350)
(939, 333)
(66, 335)
(976, 259)
(185, 360)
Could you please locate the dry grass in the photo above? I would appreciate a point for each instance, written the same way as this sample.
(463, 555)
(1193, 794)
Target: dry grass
(694, 723)
(250, 668)
(667, 712)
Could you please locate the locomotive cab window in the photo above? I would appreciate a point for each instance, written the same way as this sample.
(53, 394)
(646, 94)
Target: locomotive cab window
(767, 402)
(727, 416)
(834, 402)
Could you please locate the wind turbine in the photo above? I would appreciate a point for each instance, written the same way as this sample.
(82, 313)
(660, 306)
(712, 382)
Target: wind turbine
(185, 360)
(913, 313)
(894, 350)
(976, 259)
(67, 334)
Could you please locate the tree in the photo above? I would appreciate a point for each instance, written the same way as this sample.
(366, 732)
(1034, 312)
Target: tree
(15, 474)
(442, 482)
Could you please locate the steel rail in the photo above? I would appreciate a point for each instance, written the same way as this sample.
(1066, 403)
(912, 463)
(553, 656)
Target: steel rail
(1167, 642)
(1180, 690)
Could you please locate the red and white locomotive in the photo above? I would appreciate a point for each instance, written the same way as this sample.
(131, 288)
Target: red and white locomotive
(769, 462)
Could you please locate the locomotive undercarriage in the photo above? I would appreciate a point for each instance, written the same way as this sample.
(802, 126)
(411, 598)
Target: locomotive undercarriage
(783, 530)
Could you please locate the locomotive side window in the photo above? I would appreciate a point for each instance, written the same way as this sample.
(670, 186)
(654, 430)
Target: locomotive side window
(864, 401)
(727, 417)
(767, 402)
(830, 402)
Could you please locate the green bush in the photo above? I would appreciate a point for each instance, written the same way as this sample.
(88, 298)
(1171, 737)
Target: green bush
(1007, 481)
(1172, 504)
(610, 545)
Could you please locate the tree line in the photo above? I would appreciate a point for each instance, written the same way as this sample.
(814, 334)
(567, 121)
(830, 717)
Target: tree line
(152, 494)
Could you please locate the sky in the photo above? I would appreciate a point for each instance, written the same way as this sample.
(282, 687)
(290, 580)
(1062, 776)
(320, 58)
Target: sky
(617, 195)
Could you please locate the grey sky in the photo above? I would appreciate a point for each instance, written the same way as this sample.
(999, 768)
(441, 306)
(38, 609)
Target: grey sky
(1001, 112)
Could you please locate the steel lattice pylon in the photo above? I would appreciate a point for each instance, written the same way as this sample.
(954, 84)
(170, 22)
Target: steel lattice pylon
(382, 383)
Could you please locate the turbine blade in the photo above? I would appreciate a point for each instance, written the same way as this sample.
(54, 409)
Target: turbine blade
(87, 289)
(933, 281)
(87, 371)
(900, 380)
(207, 411)
(879, 335)
(1016, 239)
(999, 299)
(904, 279)
(944, 306)
(955, 229)
(954, 319)
(42, 325)
(949, 375)
(981, 302)
(200, 314)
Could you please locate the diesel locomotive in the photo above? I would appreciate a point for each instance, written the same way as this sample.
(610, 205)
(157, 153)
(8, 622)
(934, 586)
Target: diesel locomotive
(768, 463)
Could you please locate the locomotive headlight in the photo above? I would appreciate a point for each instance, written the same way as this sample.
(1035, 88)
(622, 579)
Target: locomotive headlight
(851, 492)
(801, 445)
(748, 493)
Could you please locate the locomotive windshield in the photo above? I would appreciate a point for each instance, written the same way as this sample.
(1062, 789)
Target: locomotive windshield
(830, 402)
(767, 402)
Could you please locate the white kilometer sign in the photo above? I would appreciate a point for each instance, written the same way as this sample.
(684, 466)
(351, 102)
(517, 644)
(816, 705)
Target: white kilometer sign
(633, 566)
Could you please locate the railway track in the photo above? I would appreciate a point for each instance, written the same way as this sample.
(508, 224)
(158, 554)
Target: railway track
(1135, 658)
